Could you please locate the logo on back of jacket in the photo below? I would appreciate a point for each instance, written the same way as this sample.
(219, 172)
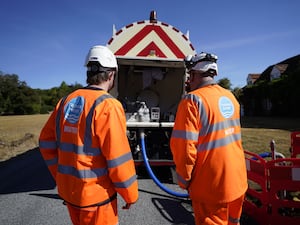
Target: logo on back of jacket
(72, 112)
(226, 107)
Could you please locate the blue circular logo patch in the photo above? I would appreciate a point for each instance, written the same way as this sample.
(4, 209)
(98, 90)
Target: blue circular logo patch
(226, 107)
(74, 109)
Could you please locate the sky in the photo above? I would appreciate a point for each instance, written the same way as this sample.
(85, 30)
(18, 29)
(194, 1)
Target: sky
(45, 42)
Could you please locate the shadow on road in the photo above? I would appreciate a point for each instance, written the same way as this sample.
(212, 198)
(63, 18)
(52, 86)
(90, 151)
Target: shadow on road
(175, 211)
(46, 195)
(24, 173)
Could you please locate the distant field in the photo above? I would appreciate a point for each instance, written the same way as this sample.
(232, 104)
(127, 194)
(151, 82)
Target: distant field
(19, 134)
(257, 132)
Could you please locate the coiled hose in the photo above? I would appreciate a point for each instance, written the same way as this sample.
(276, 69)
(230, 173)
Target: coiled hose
(152, 175)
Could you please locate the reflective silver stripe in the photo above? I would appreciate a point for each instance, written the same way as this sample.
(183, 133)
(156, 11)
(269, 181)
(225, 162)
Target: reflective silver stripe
(183, 181)
(234, 220)
(202, 112)
(194, 98)
(80, 150)
(48, 144)
(57, 120)
(218, 143)
(187, 135)
(120, 160)
(89, 119)
(193, 136)
(126, 183)
(82, 174)
(220, 126)
(51, 162)
(86, 149)
(208, 128)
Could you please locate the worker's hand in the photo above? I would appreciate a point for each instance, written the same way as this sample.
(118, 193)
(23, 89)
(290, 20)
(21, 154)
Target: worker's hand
(127, 206)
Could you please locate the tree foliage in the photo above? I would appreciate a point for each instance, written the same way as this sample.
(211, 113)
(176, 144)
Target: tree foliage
(225, 83)
(17, 98)
(278, 97)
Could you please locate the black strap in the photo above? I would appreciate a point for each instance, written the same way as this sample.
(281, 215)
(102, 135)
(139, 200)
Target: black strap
(110, 199)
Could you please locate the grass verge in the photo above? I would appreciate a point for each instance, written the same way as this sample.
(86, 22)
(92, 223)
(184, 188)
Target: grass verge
(19, 134)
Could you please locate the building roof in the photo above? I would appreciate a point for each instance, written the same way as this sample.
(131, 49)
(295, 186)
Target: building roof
(252, 77)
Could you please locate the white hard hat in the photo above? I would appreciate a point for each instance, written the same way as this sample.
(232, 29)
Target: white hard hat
(205, 66)
(203, 62)
(103, 56)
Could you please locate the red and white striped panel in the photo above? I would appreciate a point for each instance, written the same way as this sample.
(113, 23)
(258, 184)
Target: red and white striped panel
(144, 38)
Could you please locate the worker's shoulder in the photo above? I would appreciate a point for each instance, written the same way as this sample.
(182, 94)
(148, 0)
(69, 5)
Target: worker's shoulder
(111, 100)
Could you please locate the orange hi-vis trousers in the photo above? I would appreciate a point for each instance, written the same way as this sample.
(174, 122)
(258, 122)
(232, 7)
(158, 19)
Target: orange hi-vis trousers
(96, 215)
(218, 214)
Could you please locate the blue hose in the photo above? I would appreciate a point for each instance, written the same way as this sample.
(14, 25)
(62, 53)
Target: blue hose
(278, 155)
(152, 175)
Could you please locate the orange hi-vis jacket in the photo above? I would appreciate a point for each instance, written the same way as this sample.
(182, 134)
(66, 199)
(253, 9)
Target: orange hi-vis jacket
(206, 145)
(85, 146)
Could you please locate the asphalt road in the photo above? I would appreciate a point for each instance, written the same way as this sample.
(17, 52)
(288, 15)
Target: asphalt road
(28, 196)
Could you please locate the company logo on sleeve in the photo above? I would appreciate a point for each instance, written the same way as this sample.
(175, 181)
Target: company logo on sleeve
(74, 109)
(226, 107)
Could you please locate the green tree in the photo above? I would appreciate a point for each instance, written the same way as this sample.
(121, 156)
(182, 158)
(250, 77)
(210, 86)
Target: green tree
(225, 83)
(18, 98)
(238, 92)
(9, 92)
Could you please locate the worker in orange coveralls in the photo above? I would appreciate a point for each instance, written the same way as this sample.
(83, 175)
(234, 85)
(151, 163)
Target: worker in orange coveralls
(85, 147)
(206, 146)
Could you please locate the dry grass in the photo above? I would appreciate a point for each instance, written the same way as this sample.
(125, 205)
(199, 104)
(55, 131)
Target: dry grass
(19, 134)
(258, 140)
(257, 133)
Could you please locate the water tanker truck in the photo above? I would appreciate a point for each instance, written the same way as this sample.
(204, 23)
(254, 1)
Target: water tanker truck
(150, 83)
